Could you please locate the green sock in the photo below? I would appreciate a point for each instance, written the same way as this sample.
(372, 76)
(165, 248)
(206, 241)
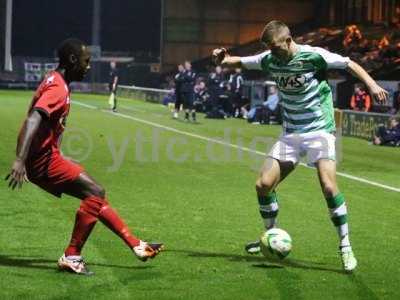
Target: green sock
(269, 209)
(338, 213)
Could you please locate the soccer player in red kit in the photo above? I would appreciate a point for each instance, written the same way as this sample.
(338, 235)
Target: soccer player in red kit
(39, 160)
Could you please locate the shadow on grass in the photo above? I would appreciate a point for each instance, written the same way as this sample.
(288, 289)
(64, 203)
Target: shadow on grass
(363, 290)
(44, 264)
(262, 262)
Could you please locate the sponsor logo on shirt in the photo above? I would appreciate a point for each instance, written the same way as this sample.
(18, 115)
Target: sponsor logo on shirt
(290, 82)
(293, 81)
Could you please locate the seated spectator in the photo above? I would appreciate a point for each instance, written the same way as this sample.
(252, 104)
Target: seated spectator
(202, 101)
(261, 114)
(252, 116)
(221, 107)
(271, 105)
(360, 101)
(390, 135)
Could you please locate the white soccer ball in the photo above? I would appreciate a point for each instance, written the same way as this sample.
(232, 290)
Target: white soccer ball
(276, 242)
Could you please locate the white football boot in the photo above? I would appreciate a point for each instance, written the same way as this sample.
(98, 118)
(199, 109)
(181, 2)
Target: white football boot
(349, 261)
(146, 250)
(73, 264)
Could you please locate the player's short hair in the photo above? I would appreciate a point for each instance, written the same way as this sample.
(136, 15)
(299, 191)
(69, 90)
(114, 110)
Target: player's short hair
(68, 47)
(273, 29)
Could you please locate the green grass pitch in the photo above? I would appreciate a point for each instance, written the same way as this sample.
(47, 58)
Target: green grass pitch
(198, 197)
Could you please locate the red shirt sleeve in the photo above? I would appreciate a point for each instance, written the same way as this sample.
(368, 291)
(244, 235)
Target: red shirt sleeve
(51, 100)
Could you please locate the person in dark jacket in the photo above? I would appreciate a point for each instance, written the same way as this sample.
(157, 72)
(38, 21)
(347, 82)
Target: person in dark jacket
(113, 86)
(201, 97)
(215, 84)
(189, 79)
(390, 135)
(178, 79)
(236, 82)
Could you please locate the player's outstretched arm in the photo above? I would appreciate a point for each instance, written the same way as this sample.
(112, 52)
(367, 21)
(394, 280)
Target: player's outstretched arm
(17, 174)
(375, 90)
(221, 57)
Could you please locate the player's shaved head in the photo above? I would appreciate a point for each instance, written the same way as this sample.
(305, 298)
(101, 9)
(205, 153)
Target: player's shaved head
(275, 30)
(74, 59)
(69, 47)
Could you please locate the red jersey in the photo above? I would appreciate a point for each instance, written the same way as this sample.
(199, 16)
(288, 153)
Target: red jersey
(52, 97)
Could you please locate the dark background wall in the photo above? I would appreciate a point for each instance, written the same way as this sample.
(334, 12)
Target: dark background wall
(40, 25)
(131, 24)
(192, 28)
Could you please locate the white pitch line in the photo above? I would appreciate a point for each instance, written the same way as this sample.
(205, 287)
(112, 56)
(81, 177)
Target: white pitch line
(356, 178)
(83, 104)
(131, 108)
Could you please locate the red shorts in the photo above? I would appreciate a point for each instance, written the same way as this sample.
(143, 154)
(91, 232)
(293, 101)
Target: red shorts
(52, 172)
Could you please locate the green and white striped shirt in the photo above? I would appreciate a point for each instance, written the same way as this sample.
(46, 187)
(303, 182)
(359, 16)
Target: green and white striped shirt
(305, 95)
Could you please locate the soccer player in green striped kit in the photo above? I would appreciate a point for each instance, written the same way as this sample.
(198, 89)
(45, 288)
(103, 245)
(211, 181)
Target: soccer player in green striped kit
(308, 122)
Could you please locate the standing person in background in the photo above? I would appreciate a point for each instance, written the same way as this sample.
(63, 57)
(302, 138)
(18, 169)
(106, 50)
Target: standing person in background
(224, 106)
(215, 84)
(360, 101)
(113, 85)
(178, 79)
(236, 82)
(189, 78)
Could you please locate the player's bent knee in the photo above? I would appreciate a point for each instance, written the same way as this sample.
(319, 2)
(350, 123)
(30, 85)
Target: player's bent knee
(98, 191)
(101, 191)
(265, 184)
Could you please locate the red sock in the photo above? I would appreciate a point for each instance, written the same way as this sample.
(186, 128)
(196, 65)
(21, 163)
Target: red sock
(91, 209)
(84, 223)
(112, 220)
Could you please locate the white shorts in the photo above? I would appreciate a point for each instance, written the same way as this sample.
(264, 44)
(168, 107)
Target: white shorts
(316, 145)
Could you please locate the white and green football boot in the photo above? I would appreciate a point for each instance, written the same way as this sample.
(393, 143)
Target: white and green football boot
(349, 261)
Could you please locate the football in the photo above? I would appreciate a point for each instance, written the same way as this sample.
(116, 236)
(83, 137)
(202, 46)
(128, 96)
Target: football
(276, 242)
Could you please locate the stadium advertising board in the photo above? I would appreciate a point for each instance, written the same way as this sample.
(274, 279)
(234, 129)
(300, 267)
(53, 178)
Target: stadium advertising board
(361, 124)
